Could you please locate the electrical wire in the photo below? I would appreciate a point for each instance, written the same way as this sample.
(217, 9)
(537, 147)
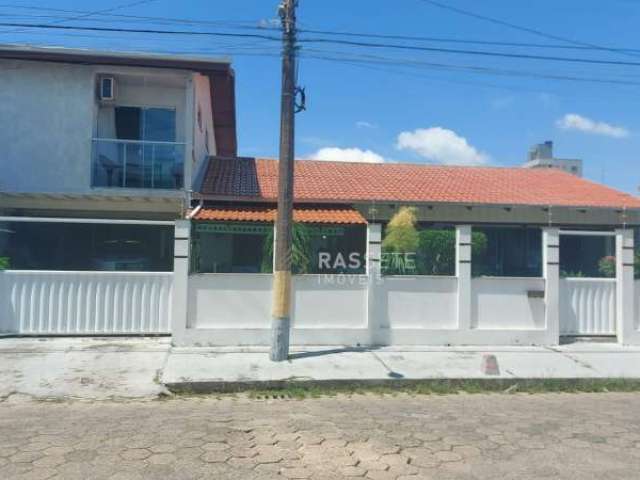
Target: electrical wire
(469, 52)
(246, 24)
(370, 59)
(414, 38)
(514, 26)
(333, 42)
(96, 12)
(139, 30)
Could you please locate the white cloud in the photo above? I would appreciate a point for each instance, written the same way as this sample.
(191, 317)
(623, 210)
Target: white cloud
(573, 121)
(363, 124)
(335, 154)
(442, 146)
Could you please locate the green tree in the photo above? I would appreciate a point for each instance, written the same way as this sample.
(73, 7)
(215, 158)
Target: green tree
(437, 252)
(5, 263)
(300, 251)
(400, 243)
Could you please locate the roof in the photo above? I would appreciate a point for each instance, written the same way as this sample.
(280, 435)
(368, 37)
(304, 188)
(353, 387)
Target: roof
(112, 57)
(333, 215)
(221, 77)
(346, 182)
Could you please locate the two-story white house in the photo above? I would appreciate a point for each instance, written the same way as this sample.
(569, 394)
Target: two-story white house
(99, 152)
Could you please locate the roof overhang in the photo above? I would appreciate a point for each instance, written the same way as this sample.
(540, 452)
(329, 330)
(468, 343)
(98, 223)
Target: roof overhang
(343, 215)
(99, 57)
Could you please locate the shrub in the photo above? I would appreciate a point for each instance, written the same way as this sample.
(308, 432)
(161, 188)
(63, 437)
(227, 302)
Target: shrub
(300, 250)
(400, 243)
(437, 252)
(607, 266)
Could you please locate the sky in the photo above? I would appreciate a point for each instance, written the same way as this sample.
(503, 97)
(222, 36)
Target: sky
(376, 104)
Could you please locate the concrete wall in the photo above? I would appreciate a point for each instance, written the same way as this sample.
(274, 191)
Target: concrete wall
(235, 309)
(329, 301)
(203, 142)
(52, 110)
(50, 303)
(636, 323)
(504, 303)
(587, 306)
(419, 302)
(229, 301)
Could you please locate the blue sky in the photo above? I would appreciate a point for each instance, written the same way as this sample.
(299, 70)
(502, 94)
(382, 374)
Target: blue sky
(436, 116)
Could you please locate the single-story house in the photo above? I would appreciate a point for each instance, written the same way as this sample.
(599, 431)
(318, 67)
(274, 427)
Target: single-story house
(408, 254)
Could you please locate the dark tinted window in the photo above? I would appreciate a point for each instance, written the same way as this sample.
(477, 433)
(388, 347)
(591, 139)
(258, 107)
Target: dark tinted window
(242, 247)
(86, 247)
(587, 256)
(507, 251)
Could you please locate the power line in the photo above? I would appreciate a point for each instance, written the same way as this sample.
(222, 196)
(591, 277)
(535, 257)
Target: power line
(470, 52)
(532, 31)
(372, 59)
(96, 12)
(330, 41)
(248, 24)
(138, 30)
(458, 40)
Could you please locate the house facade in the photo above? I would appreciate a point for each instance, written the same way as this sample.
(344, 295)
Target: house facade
(100, 152)
(125, 210)
(493, 256)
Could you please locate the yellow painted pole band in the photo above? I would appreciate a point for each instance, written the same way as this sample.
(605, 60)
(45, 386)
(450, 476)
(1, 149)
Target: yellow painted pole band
(281, 294)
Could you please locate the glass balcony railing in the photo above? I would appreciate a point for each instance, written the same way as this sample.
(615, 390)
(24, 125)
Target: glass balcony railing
(137, 164)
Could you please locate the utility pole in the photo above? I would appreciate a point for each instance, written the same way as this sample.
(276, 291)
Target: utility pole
(281, 308)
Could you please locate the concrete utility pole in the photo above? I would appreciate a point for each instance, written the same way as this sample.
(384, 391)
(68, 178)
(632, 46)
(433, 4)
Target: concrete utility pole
(281, 309)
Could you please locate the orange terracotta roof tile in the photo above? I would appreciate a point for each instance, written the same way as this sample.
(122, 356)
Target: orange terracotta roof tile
(344, 182)
(337, 215)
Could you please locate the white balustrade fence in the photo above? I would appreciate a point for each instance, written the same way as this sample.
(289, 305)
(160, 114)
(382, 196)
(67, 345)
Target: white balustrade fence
(85, 303)
(587, 306)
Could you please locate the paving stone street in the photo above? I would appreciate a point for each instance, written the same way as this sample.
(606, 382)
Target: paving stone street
(568, 436)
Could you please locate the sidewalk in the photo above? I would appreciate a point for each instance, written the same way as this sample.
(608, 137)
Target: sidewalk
(102, 368)
(86, 368)
(213, 366)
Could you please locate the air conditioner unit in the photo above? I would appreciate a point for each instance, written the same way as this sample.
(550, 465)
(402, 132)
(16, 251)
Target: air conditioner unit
(107, 89)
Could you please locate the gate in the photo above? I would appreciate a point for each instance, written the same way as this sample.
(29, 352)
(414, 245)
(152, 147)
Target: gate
(85, 303)
(587, 303)
(587, 306)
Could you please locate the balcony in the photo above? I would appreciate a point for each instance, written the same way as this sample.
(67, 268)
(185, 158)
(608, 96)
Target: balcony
(137, 164)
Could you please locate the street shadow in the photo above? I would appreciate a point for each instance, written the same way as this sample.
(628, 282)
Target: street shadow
(336, 351)
(331, 351)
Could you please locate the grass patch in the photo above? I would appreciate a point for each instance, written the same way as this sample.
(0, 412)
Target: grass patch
(314, 389)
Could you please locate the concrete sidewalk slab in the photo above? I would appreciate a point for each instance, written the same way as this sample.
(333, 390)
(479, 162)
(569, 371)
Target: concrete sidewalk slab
(112, 368)
(87, 368)
(204, 365)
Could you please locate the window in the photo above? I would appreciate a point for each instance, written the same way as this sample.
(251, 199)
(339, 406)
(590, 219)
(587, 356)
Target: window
(513, 251)
(148, 124)
(86, 247)
(242, 247)
(136, 148)
(430, 251)
(228, 247)
(335, 249)
(587, 256)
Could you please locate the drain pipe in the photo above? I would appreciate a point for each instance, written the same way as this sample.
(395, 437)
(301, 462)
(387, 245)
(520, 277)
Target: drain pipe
(195, 211)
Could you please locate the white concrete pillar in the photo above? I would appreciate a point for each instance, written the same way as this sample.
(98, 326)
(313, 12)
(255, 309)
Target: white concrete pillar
(374, 277)
(182, 247)
(463, 272)
(627, 330)
(551, 274)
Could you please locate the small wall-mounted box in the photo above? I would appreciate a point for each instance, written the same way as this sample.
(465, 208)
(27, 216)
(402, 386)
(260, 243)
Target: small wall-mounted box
(107, 89)
(535, 293)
